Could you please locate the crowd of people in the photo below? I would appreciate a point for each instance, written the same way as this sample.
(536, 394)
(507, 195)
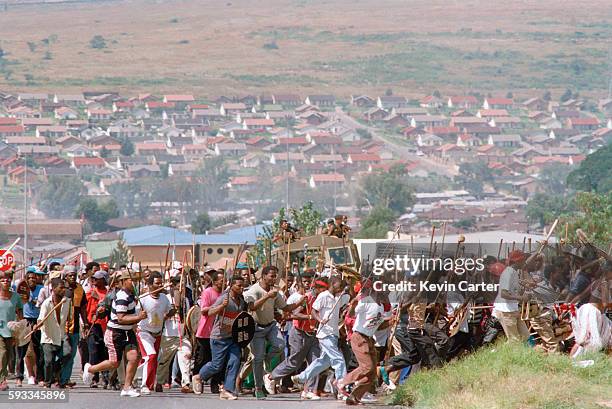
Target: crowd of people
(314, 333)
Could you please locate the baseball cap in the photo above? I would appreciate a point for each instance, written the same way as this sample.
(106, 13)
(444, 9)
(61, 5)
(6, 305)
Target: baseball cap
(101, 274)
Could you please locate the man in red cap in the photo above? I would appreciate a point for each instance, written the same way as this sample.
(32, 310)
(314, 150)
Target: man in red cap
(508, 298)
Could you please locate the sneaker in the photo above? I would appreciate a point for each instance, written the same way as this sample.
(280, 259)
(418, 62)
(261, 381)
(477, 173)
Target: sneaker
(197, 384)
(260, 395)
(341, 388)
(86, 375)
(225, 395)
(145, 391)
(296, 381)
(391, 386)
(312, 396)
(130, 392)
(31, 380)
(368, 398)
(270, 384)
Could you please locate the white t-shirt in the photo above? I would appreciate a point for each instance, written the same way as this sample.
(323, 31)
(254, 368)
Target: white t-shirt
(368, 316)
(509, 280)
(324, 304)
(171, 328)
(156, 309)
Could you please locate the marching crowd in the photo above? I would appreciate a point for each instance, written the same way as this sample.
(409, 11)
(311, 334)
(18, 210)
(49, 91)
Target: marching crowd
(315, 333)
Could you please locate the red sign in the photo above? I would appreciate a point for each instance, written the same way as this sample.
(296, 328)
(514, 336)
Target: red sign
(6, 260)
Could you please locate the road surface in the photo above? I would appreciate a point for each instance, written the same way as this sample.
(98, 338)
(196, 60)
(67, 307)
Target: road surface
(403, 151)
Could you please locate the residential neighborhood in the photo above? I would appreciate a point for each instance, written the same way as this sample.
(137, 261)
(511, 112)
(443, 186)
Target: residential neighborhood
(279, 150)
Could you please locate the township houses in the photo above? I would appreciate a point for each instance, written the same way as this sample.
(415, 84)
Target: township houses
(91, 135)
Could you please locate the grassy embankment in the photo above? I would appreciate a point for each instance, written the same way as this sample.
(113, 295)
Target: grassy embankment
(511, 376)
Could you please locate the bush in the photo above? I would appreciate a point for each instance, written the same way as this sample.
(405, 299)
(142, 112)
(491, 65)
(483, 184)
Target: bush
(271, 46)
(97, 42)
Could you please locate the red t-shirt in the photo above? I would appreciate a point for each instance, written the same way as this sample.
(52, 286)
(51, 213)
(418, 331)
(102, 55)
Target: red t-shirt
(207, 299)
(306, 325)
(92, 307)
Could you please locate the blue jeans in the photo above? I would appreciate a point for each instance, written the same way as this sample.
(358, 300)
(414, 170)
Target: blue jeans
(269, 334)
(69, 360)
(330, 356)
(223, 350)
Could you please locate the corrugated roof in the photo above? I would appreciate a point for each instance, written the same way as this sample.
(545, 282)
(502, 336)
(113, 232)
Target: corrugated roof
(155, 235)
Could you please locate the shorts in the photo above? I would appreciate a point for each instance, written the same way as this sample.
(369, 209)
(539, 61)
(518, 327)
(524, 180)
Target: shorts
(118, 341)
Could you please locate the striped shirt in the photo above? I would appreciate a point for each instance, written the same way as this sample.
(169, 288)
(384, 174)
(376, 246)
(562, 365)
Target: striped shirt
(123, 303)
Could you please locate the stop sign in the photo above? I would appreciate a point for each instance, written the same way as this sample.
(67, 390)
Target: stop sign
(6, 260)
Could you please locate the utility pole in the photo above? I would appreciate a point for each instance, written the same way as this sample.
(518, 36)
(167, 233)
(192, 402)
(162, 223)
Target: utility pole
(287, 179)
(25, 210)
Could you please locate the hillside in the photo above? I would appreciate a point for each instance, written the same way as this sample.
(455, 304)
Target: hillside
(340, 46)
(511, 376)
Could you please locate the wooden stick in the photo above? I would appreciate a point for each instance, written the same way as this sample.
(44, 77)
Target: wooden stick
(40, 323)
(443, 238)
(433, 232)
(154, 291)
(501, 242)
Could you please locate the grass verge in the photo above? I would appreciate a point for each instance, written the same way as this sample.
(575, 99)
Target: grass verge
(509, 376)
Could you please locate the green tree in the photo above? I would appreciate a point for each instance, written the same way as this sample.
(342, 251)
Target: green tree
(567, 95)
(377, 223)
(120, 254)
(594, 173)
(97, 215)
(127, 147)
(201, 224)
(32, 46)
(389, 190)
(134, 197)
(553, 178)
(593, 216)
(104, 153)
(473, 175)
(363, 133)
(97, 42)
(547, 96)
(307, 218)
(209, 185)
(4, 239)
(543, 208)
(59, 196)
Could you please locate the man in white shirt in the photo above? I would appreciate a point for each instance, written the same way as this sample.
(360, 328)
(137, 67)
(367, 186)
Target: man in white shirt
(369, 314)
(53, 330)
(149, 332)
(507, 301)
(174, 343)
(326, 310)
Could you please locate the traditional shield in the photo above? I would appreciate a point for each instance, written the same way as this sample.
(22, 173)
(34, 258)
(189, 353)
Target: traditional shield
(193, 319)
(243, 329)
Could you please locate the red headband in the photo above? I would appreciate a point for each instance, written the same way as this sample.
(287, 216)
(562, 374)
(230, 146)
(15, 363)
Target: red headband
(321, 283)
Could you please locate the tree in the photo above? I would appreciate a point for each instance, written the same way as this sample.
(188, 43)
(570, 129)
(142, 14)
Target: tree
(4, 238)
(97, 215)
(567, 95)
(201, 224)
(209, 185)
(543, 208)
(594, 217)
(473, 175)
(120, 254)
(377, 223)
(2, 53)
(389, 190)
(553, 178)
(97, 42)
(134, 197)
(104, 153)
(127, 147)
(594, 172)
(363, 133)
(307, 218)
(32, 46)
(437, 94)
(59, 196)
(509, 94)
(547, 96)
(388, 92)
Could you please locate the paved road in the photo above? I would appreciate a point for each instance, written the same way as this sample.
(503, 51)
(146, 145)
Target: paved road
(403, 151)
(82, 397)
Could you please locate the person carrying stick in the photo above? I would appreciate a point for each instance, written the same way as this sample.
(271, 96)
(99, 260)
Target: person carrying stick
(120, 336)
